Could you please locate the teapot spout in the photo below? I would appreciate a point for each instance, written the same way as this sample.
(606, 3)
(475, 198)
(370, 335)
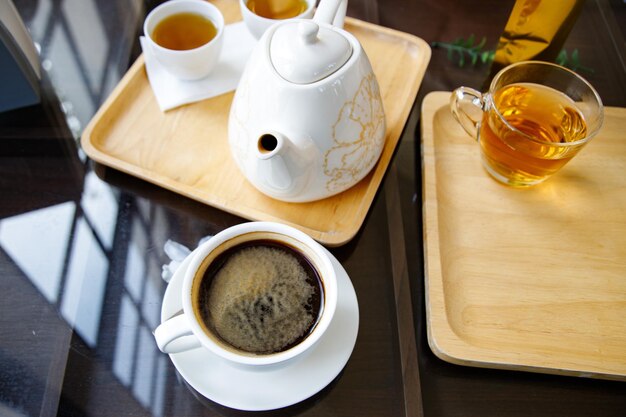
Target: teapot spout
(284, 164)
(271, 144)
(272, 152)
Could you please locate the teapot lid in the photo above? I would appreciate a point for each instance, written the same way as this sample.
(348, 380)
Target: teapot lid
(304, 52)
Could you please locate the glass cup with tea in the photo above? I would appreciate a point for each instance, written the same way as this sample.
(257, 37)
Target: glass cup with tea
(259, 15)
(259, 293)
(186, 37)
(534, 119)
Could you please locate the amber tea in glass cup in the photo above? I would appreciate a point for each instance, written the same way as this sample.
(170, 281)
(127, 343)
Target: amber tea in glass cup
(534, 119)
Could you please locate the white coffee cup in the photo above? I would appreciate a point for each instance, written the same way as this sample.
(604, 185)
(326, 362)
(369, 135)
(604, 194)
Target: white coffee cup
(190, 64)
(257, 25)
(187, 330)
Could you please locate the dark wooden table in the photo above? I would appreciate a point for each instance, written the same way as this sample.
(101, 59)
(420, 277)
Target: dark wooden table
(81, 245)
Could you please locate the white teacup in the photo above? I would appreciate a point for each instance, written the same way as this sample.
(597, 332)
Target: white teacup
(257, 25)
(189, 64)
(194, 328)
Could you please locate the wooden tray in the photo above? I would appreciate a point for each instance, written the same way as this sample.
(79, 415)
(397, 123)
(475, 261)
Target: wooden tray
(530, 279)
(131, 134)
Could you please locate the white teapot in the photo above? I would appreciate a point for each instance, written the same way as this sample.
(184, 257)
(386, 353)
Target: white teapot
(307, 119)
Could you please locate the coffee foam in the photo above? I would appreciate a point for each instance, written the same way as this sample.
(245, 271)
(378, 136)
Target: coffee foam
(260, 300)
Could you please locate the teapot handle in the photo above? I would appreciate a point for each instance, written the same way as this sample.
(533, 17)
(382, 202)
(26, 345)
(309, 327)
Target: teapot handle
(332, 12)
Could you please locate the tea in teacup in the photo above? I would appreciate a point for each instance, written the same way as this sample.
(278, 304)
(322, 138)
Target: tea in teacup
(260, 15)
(185, 37)
(277, 9)
(182, 31)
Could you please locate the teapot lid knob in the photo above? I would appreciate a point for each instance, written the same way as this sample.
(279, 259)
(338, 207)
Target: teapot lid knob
(308, 30)
(304, 51)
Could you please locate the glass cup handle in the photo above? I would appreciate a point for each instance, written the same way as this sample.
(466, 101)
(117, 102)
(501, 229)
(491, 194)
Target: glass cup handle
(175, 335)
(461, 99)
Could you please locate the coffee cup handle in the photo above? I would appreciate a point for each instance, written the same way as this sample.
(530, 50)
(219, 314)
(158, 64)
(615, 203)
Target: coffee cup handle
(463, 101)
(175, 335)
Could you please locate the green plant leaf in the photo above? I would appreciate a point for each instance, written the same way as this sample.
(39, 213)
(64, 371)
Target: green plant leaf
(467, 50)
(481, 45)
(470, 41)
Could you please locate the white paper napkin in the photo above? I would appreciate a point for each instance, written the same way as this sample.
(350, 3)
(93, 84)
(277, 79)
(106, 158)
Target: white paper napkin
(171, 92)
(177, 253)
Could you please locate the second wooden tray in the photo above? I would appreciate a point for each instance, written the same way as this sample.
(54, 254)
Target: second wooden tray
(526, 279)
(186, 149)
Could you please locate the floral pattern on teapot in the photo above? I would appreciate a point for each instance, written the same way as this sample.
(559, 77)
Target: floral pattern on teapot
(351, 157)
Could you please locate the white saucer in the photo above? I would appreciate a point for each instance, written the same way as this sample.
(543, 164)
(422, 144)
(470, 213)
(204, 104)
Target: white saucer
(271, 388)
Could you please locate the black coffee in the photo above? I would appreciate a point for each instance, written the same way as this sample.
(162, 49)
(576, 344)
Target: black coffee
(261, 297)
